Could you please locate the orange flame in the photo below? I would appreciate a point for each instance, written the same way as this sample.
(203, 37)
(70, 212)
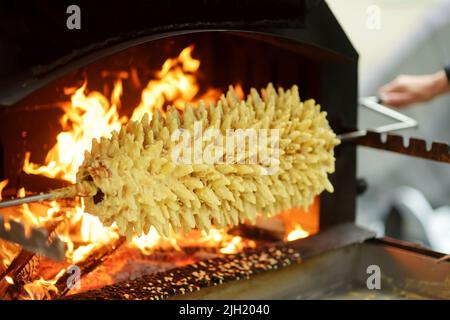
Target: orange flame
(8, 251)
(91, 115)
(297, 233)
(41, 289)
(88, 116)
(233, 246)
(3, 184)
(176, 83)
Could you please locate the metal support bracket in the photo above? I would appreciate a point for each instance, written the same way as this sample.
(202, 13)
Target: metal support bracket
(439, 151)
(372, 103)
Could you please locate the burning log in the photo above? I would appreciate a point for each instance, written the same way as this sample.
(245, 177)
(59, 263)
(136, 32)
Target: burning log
(88, 265)
(266, 229)
(194, 277)
(21, 268)
(20, 263)
(256, 233)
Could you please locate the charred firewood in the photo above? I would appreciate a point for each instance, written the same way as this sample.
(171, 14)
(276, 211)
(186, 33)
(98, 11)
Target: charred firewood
(266, 229)
(16, 271)
(88, 265)
(22, 269)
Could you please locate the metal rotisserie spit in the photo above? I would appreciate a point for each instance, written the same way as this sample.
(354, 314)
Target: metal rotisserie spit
(86, 83)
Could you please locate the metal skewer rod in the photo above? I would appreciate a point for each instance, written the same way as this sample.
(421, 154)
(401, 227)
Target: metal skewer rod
(29, 199)
(66, 192)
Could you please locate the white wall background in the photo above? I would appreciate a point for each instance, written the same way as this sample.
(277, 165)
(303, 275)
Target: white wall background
(398, 18)
(413, 38)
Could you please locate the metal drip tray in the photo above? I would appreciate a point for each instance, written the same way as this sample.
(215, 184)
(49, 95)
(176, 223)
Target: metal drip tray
(343, 273)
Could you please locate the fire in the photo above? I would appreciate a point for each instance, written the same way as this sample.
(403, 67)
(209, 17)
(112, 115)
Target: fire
(228, 243)
(9, 280)
(175, 83)
(27, 216)
(218, 238)
(8, 251)
(233, 246)
(239, 91)
(90, 115)
(40, 289)
(91, 231)
(147, 242)
(3, 184)
(297, 233)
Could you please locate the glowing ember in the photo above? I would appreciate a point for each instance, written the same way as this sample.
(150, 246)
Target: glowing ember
(297, 233)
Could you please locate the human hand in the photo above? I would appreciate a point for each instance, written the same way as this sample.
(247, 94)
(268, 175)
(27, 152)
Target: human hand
(409, 89)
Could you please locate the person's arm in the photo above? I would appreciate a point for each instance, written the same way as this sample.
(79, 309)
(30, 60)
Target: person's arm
(408, 89)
